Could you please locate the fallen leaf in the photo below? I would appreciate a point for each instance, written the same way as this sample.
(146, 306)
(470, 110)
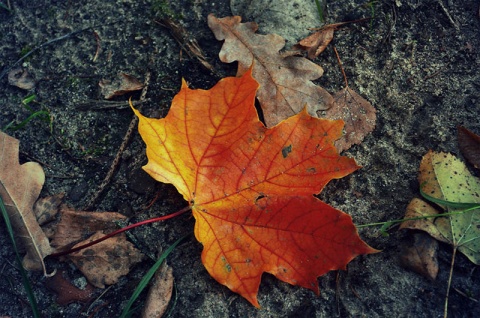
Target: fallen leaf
(20, 186)
(45, 209)
(160, 293)
(21, 78)
(104, 263)
(123, 84)
(357, 113)
(68, 293)
(285, 81)
(421, 255)
(317, 42)
(79, 225)
(444, 177)
(469, 144)
(251, 188)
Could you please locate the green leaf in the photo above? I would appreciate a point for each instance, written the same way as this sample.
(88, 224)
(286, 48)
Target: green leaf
(446, 181)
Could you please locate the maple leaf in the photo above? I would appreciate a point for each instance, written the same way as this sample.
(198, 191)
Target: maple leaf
(251, 188)
(285, 81)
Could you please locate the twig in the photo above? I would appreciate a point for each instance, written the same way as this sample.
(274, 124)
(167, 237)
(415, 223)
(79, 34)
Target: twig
(99, 47)
(8, 68)
(341, 66)
(108, 104)
(188, 44)
(455, 24)
(120, 151)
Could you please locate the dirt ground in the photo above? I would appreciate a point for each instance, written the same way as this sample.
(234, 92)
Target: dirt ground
(416, 61)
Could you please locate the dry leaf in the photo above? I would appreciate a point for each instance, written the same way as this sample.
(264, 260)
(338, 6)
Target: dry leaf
(285, 81)
(421, 255)
(123, 84)
(104, 263)
(20, 186)
(21, 78)
(160, 293)
(317, 42)
(67, 292)
(357, 113)
(469, 144)
(78, 225)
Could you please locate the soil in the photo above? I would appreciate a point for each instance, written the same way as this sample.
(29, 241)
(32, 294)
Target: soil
(416, 61)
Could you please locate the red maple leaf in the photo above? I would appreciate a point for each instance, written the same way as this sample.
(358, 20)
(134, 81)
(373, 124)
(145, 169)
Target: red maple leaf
(251, 188)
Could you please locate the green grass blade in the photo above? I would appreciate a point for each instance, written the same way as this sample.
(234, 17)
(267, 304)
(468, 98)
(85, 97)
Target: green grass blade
(5, 7)
(146, 279)
(450, 204)
(25, 280)
(28, 119)
(321, 13)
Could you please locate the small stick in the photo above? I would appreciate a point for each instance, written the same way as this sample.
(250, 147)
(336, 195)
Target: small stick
(99, 47)
(341, 66)
(455, 25)
(7, 69)
(90, 203)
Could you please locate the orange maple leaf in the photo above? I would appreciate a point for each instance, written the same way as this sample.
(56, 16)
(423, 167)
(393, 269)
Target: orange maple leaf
(251, 188)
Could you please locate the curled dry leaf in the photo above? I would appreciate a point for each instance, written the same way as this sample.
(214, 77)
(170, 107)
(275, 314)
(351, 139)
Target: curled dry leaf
(160, 293)
(317, 42)
(104, 263)
(285, 81)
(123, 84)
(20, 186)
(469, 144)
(357, 113)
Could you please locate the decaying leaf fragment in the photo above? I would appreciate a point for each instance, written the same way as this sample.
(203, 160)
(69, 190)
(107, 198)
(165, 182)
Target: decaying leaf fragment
(21, 78)
(75, 226)
(251, 188)
(285, 81)
(469, 144)
(67, 292)
(104, 263)
(421, 255)
(123, 84)
(444, 177)
(20, 186)
(357, 113)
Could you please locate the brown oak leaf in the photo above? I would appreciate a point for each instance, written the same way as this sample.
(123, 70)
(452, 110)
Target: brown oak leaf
(285, 81)
(20, 186)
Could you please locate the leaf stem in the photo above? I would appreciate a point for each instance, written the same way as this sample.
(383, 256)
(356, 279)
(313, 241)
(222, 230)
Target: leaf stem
(131, 226)
(445, 310)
